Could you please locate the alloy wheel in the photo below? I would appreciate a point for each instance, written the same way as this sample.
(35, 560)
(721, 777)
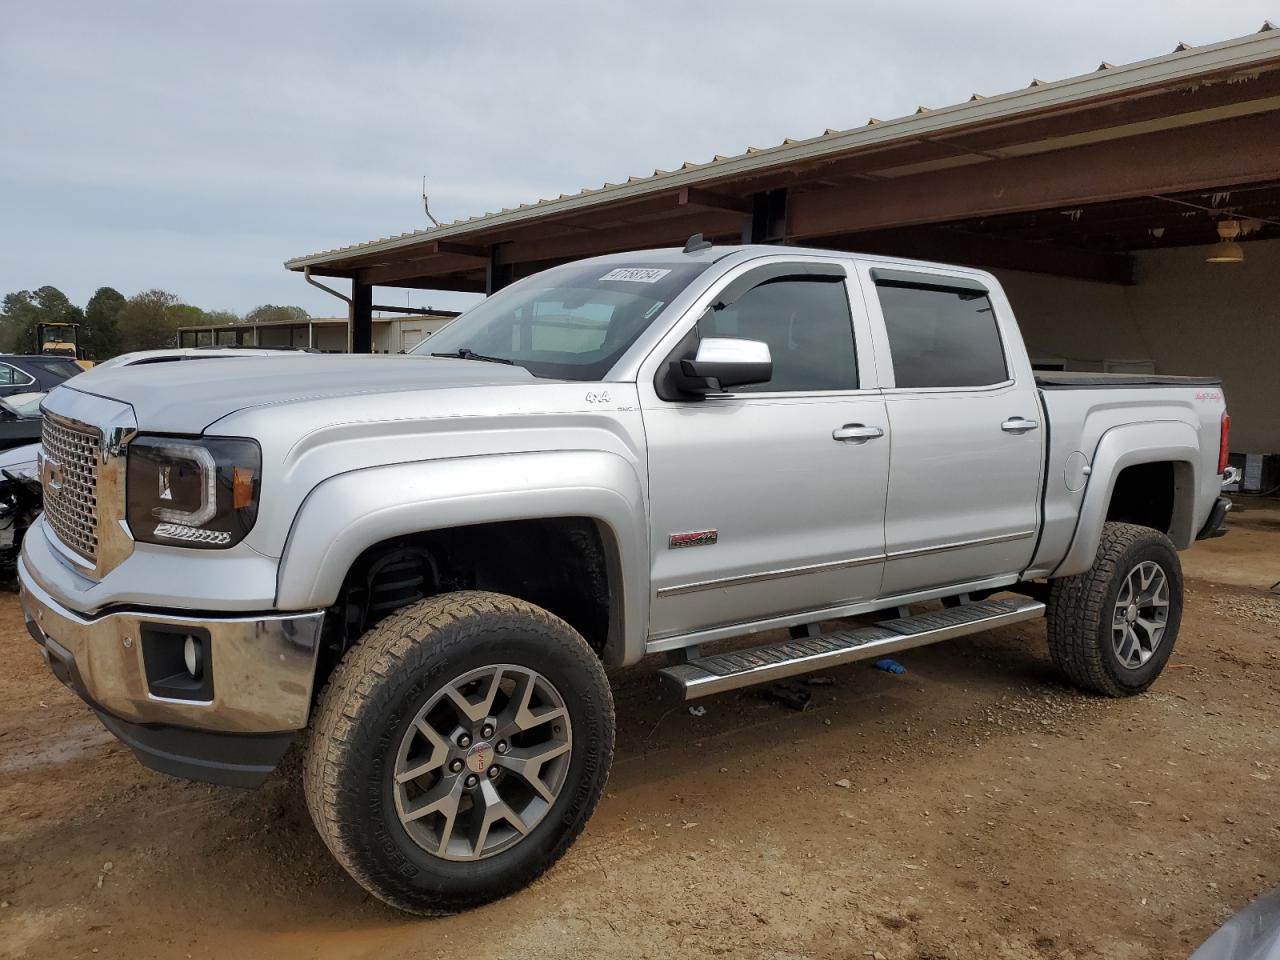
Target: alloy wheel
(1141, 614)
(482, 762)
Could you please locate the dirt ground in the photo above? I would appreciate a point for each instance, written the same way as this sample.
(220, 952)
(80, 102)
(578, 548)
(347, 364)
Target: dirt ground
(975, 807)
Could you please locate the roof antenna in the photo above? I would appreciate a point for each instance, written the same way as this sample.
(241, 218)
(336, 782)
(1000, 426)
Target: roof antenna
(696, 243)
(425, 206)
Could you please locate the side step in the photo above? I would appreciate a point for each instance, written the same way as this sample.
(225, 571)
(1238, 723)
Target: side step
(741, 668)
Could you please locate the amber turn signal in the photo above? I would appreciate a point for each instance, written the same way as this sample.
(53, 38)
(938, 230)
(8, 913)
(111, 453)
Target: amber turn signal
(242, 488)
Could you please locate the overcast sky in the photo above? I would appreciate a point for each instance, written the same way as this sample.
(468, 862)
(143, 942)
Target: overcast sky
(195, 147)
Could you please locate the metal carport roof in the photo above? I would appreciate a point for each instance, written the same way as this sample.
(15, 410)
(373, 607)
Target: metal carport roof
(1204, 118)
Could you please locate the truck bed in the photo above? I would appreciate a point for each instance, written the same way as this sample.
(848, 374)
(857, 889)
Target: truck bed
(1095, 420)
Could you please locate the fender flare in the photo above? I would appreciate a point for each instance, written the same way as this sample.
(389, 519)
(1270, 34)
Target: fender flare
(348, 513)
(1123, 446)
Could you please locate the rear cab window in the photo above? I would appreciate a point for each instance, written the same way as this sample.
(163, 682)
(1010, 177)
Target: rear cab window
(943, 333)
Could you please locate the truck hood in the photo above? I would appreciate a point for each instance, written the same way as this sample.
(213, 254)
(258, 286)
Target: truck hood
(186, 396)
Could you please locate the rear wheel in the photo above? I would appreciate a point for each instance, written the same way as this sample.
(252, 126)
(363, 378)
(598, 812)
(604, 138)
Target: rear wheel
(1112, 628)
(458, 750)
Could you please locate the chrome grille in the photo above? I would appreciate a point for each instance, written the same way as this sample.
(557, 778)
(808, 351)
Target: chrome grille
(72, 508)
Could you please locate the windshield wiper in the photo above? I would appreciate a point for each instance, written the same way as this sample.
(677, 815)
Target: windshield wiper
(463, 353)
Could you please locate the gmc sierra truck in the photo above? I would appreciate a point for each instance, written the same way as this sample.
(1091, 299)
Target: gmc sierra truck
(427, 562)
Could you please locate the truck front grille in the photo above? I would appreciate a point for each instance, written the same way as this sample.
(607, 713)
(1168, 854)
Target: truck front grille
(70, 482)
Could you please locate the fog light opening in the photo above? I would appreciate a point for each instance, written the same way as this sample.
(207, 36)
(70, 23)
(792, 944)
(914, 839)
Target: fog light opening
(193, 657)
(176, 658)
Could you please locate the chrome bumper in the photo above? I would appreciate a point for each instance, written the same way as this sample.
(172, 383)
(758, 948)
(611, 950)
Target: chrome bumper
(263, 666)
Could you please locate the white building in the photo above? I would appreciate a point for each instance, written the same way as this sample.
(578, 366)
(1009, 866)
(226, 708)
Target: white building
(326, 334)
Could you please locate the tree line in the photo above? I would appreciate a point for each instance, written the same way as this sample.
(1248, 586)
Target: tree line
(111, 323)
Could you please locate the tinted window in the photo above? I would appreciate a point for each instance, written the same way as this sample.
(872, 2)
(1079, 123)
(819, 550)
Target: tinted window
(9, 376)
(941, 337)
(58, 370)
(807, 325)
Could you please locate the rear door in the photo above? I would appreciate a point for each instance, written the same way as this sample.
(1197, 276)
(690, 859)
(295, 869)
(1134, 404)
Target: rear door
(768, 500)
(965, 424)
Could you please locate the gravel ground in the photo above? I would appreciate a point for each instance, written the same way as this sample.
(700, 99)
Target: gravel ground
(975, 807)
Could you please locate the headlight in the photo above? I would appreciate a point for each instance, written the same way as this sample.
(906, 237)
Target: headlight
(199, 492)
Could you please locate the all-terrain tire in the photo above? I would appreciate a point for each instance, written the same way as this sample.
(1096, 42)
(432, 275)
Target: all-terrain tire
(1081, 611)
(373, 696)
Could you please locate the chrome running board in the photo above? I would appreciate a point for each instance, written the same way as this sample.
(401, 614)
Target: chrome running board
(726, 671)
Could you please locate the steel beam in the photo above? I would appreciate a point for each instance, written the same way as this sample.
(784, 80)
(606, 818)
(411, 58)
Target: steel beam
(433, 265)
(994, 253)
(497, 272)
(768, 223)
(1241, 150)
(361, 335)
(696, 197)
(414, 311)
(459, 249)
(672, 231)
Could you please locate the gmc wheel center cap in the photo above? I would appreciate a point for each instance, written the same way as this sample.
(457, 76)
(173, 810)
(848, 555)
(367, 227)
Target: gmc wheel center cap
(480, 757)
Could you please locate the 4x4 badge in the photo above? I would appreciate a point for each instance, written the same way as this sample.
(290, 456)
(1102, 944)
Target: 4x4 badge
(699, 538)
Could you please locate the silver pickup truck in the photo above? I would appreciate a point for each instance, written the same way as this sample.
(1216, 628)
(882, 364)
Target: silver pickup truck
(428, 562)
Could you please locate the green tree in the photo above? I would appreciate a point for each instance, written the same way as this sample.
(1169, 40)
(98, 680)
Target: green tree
(270, 312)
(100, 335)
(21, 311)
(190, 316)
(218, 318)
(150, 320)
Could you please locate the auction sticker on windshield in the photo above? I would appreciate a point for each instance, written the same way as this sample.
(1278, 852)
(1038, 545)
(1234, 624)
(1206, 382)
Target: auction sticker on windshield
(636, 274)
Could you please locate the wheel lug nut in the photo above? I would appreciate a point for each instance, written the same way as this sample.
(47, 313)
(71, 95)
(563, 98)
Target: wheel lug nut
(493, 773)
(472, 780)
(455, 766)
(464, 741)
(502, 746)
(487, 732)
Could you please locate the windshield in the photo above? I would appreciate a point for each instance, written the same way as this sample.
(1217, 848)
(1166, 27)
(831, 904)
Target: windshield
(570, 323)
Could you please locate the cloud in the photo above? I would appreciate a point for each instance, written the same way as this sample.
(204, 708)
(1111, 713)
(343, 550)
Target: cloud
(197, 146)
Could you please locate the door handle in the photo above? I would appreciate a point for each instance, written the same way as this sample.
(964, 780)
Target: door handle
(856, 433)
(1018, 425)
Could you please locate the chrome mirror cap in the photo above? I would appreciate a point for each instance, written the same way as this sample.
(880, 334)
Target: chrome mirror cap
(733, 350)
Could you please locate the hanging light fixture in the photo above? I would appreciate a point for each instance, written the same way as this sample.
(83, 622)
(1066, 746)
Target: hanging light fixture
(1226, 250)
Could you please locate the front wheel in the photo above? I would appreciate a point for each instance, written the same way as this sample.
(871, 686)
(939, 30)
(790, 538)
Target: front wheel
(458, 751)
(1112, 628)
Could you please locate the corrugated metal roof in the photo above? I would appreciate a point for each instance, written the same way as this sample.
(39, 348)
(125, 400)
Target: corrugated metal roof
(1184, 64)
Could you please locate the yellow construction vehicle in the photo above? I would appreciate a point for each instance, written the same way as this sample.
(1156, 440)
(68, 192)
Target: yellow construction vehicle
(60, 340)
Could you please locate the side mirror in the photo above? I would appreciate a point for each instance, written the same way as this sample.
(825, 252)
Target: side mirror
(722, 363)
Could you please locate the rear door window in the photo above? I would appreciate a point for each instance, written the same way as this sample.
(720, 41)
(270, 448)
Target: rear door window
(10, 376)
(941, 336)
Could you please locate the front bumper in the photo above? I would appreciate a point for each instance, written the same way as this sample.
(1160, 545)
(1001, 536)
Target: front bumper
(232, 729)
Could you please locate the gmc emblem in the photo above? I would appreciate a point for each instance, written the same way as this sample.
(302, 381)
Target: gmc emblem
(50, 475)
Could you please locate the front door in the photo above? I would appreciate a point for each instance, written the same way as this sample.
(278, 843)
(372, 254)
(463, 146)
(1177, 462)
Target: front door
(770, 500)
